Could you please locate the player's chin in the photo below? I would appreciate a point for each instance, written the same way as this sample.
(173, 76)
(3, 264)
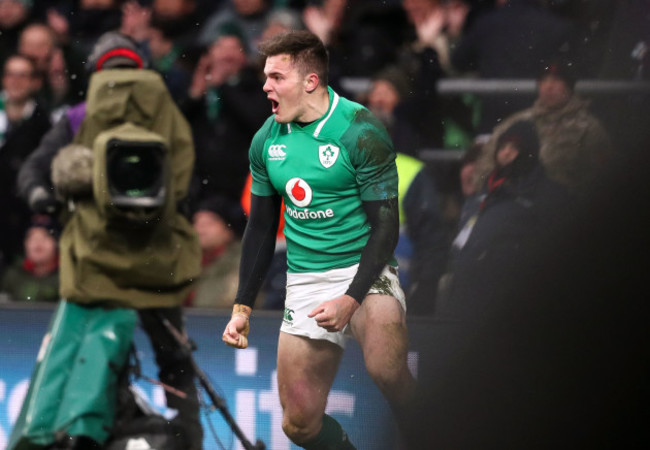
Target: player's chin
(279, 118)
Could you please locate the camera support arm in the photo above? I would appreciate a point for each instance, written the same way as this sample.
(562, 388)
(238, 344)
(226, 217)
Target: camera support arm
(188, 346)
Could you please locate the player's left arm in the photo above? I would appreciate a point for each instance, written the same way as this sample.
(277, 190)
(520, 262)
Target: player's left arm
(374, 161)
(335, 314)
(383, 216)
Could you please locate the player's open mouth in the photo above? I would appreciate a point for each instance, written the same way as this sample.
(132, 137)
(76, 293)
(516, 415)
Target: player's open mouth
(274, 106)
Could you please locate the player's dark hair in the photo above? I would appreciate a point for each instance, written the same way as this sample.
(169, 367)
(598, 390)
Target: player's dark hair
(305, 48)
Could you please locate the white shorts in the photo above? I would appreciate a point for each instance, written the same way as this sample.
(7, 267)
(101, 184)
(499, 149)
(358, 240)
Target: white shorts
(305, 291)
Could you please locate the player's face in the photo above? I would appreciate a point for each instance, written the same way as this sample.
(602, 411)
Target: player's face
(285, 88)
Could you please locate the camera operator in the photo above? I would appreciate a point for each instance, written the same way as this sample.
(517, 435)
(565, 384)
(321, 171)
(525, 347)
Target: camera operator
(108, 256)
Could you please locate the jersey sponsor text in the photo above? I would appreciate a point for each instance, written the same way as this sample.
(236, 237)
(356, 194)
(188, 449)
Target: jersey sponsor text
(307, 214)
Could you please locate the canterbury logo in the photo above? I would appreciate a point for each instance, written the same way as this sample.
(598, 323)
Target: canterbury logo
(277, 152)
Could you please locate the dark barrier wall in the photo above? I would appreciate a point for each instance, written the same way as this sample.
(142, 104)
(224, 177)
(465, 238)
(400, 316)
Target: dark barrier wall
(245, 378)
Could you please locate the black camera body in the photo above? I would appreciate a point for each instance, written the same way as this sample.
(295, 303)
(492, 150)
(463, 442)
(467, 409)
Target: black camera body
(136, 173)
(131, 174)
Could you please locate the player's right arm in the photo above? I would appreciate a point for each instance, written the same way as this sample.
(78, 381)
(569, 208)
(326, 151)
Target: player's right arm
(258, 244)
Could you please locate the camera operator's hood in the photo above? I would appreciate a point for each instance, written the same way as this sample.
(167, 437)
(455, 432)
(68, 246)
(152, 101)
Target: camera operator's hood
(131, 264)
(124, 95)
(138, 96)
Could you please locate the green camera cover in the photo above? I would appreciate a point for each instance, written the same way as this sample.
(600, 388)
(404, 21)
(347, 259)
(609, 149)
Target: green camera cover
(73, 387)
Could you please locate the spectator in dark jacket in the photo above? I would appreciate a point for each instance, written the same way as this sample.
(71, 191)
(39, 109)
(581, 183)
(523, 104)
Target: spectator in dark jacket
(226, 106)
(422, 246)
(513, 41)
(520, 205)
(23, 121)
(575, 146)
(389, 99)
(14, 17)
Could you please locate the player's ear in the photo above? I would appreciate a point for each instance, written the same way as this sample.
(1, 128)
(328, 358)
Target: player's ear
(311, 82)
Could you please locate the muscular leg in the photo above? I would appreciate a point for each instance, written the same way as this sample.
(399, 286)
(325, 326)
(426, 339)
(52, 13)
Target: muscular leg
(306, 371)
(379, 325)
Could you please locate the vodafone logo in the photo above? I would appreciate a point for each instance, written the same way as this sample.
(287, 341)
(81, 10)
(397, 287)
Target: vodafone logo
(299, 192)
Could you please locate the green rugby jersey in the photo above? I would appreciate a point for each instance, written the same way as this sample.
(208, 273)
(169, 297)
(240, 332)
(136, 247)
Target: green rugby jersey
(323, 171)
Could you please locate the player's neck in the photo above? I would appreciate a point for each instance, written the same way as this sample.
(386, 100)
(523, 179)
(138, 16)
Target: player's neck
(316, 105)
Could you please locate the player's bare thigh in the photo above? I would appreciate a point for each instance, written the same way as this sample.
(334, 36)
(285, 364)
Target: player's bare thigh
(379, 325)
(379, 315)
(306, 371)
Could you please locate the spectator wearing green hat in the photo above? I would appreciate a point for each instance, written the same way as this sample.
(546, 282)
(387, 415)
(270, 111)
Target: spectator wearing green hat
(35, 277)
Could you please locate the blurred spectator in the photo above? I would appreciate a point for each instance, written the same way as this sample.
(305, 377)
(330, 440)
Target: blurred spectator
(14, 16)
(80, 23)
(169, 59)
(422, 247)
(467, 177)
(446, 122)
(324, 19)
(389, 99)
(625, 55)
(34, 184)
(64, 76)
(519, 206)
(136, 18)
(280, 20)
(181, 20)
(35, 278)
(249, 15)
(438, 24)
(226, 106)
(23, 121)
(627, 51)
(219, 222)
(466, 208)
(560, 361)
(574, 144)
(38, 42)
(513, 41)
(362, 36)
(171, 55)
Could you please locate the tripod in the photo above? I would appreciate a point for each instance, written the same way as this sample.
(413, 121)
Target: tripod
(188, 346)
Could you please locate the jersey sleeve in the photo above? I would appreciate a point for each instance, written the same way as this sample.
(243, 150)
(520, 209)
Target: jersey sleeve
(261, 184)
(373, 157)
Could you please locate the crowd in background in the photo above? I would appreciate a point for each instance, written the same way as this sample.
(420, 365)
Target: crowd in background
(387, 55)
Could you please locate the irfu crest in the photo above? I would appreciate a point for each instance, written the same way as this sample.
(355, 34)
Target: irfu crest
(327, 155)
